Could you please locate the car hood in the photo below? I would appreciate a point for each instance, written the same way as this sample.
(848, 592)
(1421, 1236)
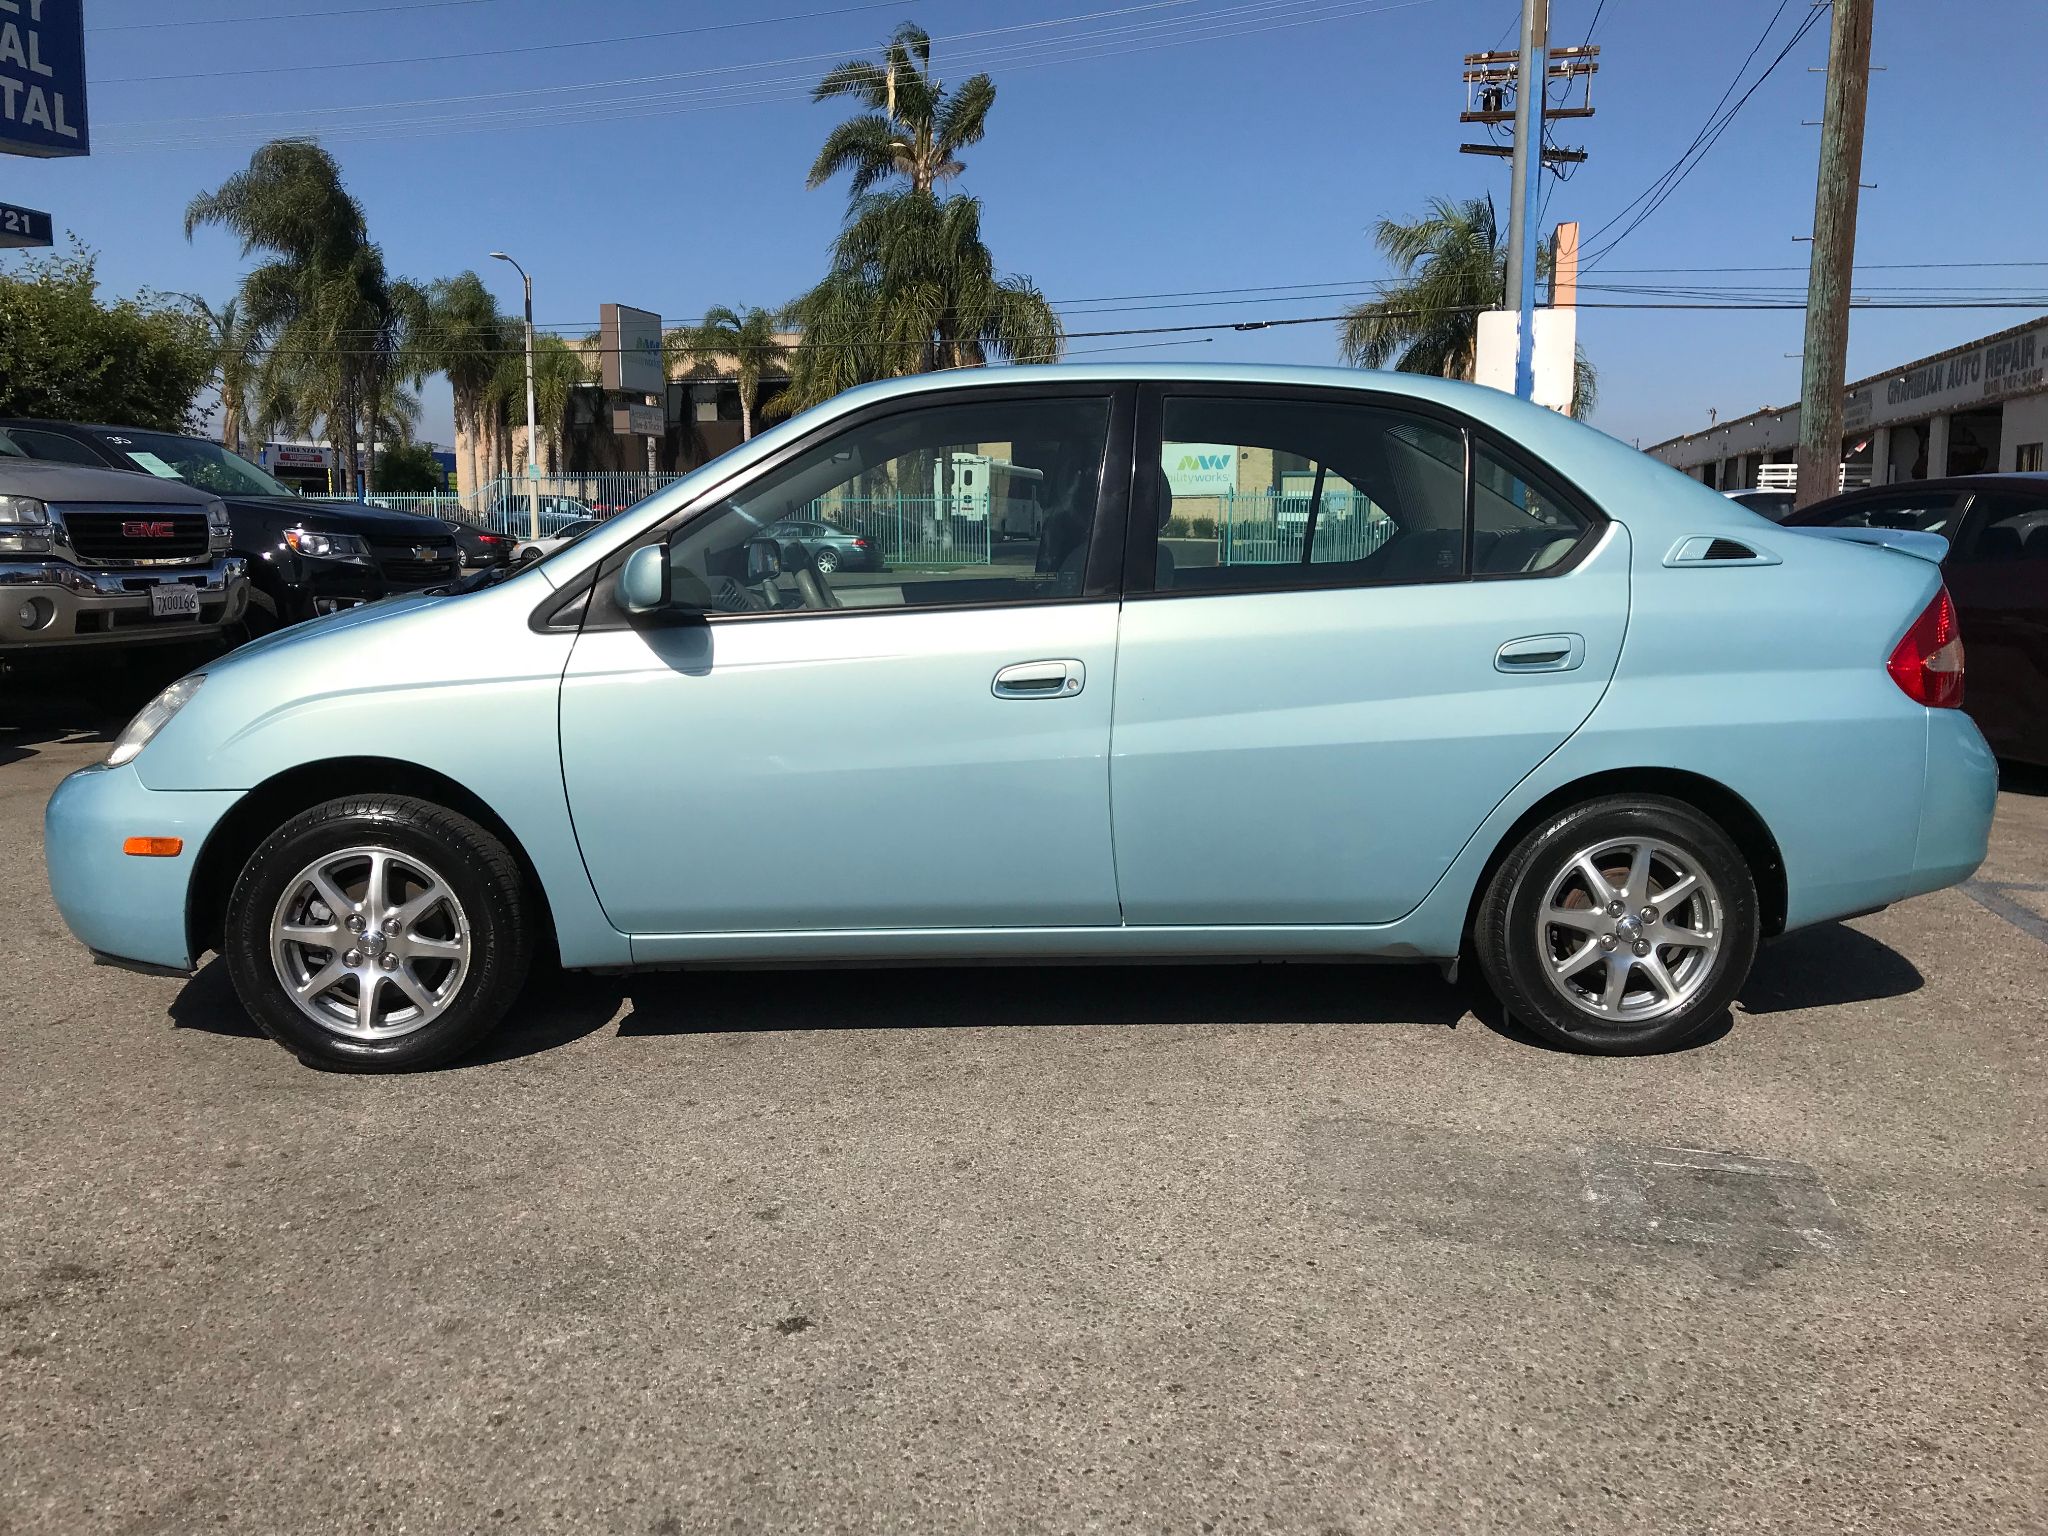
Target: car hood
(320, 630)
(77, 483)
(339, 516)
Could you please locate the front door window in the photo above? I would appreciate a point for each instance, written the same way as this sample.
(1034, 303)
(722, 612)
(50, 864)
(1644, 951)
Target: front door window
(951, 505)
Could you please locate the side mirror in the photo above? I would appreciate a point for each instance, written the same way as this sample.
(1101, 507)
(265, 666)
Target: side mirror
(643, 584)
(764, 561)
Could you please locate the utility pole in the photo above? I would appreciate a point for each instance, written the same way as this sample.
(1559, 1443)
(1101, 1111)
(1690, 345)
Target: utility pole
(532, 421)
(1503, 88)
(1532, 72)
(1834, 252)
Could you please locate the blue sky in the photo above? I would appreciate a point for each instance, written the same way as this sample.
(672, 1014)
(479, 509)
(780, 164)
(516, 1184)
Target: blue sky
(1149, 149)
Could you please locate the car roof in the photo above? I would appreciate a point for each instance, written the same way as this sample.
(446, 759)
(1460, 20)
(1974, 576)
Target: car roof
(2009, 479)
(48, 481)
(49, 422)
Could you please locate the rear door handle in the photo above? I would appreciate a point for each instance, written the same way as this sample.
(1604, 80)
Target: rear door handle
(1541, 653)
(1041, 680)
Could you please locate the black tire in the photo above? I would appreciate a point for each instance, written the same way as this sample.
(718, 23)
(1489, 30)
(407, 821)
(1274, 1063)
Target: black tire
(826, 560)
(1516, 948)
(492, 903)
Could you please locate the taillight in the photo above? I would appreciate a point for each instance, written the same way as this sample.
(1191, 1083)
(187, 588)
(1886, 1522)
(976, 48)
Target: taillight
(1928, 663)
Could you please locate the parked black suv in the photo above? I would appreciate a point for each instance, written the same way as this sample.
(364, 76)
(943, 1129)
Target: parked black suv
(306, 556)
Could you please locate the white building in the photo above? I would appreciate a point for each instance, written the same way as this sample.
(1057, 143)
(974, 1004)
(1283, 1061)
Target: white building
(1981, 406)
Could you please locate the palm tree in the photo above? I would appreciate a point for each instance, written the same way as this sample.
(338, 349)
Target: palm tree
(467, 338)
(331, 316)
(1452, 266)
(235, 348)
(750, 339)
(915, 127)
(558, 369)
(914, 288)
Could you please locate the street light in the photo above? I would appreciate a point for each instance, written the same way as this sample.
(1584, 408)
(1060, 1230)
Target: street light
(532, 415)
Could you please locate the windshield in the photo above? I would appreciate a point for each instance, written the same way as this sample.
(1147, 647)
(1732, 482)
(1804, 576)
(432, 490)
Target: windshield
(196, 462)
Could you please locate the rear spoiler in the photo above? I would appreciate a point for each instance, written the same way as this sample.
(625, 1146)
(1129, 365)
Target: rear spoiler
(1931, 547)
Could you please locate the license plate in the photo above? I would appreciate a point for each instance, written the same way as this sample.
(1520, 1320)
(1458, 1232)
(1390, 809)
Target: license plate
(171, 600)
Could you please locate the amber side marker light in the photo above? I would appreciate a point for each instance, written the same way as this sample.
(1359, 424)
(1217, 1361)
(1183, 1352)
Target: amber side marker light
(154, 847)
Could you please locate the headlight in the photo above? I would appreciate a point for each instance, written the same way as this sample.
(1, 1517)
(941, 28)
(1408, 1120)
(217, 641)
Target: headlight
(24, 526)
(220, 529)
(327, 546)
(156, 714)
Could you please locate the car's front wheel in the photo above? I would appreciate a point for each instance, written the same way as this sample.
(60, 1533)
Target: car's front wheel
(1622, 925)
(378, 933)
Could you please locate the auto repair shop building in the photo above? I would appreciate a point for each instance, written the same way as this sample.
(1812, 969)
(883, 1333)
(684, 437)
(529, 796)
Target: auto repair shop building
(1978, 407)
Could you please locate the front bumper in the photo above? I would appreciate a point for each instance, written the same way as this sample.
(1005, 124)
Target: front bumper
(51, 604)
(125, 909)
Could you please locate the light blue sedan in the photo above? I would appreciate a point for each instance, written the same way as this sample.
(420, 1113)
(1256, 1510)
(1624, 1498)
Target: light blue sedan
(1300, 663)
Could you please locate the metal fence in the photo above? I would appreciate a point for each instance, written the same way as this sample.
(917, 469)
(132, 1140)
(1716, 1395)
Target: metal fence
(911, 530)
(1264, 528)
(503, 505)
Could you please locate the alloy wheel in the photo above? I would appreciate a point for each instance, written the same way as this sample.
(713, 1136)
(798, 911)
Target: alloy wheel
(370, 943)
(1629, 930)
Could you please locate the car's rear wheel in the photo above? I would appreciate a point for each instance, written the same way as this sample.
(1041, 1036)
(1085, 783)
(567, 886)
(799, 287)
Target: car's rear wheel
(378, 933)
(1622, 925)
(826, 560)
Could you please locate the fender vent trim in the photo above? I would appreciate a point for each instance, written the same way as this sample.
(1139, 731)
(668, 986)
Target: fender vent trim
(1713, 549)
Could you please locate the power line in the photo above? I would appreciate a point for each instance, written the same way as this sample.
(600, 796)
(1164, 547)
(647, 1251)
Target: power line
(1704, 142)
(499, 53)
(240, 21)
(614, 84)
(1274, 322)
(1234, 21)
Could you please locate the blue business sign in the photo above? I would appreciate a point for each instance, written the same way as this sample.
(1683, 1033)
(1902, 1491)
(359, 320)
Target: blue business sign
(42, 78)
(24, 228)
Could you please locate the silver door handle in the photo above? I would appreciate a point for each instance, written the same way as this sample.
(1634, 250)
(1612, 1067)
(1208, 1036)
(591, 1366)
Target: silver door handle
(1541, 653)
(1040, 680)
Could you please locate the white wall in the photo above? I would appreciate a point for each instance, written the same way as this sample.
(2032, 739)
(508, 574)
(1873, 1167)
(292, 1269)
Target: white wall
(2026, 421)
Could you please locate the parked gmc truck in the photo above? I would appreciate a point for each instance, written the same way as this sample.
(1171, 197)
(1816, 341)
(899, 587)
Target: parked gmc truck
(95, 557)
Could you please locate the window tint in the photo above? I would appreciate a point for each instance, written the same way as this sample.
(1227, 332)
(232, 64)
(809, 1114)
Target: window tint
(1923, 512)
(2009, 527)
(974, 503)
(1260, 494)
(54, 447)
(1519, 524)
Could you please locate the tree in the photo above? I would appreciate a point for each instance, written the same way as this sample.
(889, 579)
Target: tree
(558, 369)
(333, 318)
(915, 129)
(467, 338)
(748, 337)
(1452, 265)
(139, 362)
(235, 359)
(407, 469)
(913, 288)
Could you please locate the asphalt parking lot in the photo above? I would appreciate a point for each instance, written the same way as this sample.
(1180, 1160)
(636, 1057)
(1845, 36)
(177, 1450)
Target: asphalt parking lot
(1202, 1249)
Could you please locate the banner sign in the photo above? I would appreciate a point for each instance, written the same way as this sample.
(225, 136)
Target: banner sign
(42, 78)
(631, 361)
(639, 420)
(21, 228)
(1200, 469)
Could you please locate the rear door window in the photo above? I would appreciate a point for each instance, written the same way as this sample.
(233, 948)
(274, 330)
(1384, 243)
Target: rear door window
(1269, 492)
